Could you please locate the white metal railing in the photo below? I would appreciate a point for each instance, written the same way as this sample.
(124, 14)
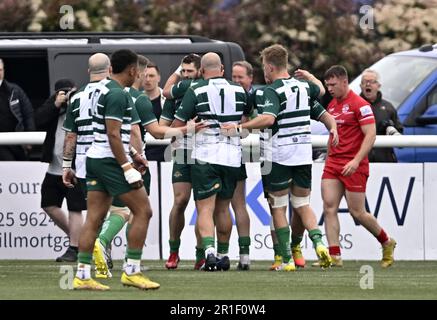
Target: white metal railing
(429, 141)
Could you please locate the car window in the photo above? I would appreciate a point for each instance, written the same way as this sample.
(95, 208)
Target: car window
(400, 76)
(432, 98)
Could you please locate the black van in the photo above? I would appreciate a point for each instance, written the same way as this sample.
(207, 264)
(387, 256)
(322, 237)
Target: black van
(36, 60)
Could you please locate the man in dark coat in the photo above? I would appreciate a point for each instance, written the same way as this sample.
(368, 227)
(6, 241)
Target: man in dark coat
(386, 116)
(16, 114)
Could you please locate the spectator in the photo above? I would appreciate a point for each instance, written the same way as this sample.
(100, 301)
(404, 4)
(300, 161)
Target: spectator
(242, 73)
(386, 117)
(154, 92)
(50, 117)
(16, 114)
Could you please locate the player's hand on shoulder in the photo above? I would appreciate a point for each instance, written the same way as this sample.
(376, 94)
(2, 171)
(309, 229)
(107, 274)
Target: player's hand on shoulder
(196, 125)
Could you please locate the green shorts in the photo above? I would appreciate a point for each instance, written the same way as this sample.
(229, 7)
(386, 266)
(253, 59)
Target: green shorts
(106, 175)
(280, 177)
(181, 173)
(210, 179)
(116, 201)
(243, 173)
(146, 179)
(181, 166)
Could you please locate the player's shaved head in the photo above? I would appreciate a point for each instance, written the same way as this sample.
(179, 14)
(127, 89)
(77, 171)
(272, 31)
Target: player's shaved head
(211, 61)
(99, 63)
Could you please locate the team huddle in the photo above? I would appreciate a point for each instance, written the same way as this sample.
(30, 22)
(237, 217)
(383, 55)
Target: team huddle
(207, 115)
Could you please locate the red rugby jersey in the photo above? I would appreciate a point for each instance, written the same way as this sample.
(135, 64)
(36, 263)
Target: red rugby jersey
(350, 114)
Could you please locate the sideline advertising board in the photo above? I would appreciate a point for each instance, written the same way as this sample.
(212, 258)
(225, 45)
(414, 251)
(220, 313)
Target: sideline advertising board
(26, 231)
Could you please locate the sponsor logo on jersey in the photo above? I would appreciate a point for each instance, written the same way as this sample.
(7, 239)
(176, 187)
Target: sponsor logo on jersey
(366, 110)
(267, 103)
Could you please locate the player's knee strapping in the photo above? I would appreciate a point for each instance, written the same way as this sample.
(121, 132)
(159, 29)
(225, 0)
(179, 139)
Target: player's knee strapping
(297, 202)
(278, 201)
(121, 211)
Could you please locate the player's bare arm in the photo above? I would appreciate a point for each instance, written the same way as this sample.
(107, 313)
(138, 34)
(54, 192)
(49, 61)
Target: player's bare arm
(262, 121)
(114, 137)
(160, 132)
(306, 75)
(330, 124)
(68, 175)
(171, 81)
(135, 137)
(165, 123)
(132, 176)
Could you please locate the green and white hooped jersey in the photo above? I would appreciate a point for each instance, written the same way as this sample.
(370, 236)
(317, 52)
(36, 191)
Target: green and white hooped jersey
(215, 101)
(79, 120)
(178, 91)
(116, 104)
(292, 102)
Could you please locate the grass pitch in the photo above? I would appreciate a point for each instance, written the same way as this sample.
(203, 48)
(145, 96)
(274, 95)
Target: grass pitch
(42, 279)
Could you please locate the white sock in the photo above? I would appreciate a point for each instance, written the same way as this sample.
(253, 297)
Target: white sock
(209, 251)
(244, 259)
(83, 271)
(132, 266)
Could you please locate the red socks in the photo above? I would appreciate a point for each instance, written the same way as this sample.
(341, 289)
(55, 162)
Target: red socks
(382, 237)
(334, 251)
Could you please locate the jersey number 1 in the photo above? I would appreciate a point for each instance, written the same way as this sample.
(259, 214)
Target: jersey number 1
(222, 99)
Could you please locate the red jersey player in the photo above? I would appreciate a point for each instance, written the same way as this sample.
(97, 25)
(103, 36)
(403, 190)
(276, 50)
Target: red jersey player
(347, 166)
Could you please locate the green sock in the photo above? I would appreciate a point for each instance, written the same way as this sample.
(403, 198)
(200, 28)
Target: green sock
(110, 228)
(244, 243)
(207, 242)
(134, 253)
(276, 249)
(316, 237)
(174, 245)
(284, 243)
(223, 247)
(85, 257)
(200, 254)
(296, 240)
